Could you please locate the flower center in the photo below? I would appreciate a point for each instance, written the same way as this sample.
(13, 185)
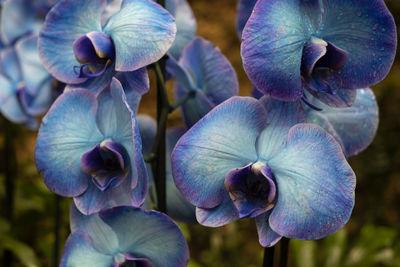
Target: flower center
(319, 62)
(251, 189)
(107, 163)
(128, 260)
(95, 51)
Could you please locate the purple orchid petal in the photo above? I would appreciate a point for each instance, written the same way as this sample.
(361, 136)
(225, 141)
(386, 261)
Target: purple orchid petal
(220, 215)
(141, 39)
(266, 236)
(315, 185)
(244, 10)
(312, 53)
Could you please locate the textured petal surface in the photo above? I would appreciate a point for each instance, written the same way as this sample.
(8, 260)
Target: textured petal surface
(142, 32)
(10, 65)
(281, 116)
(68, 130)
(17, 17)
(79, 251)
(150, 235)
(266, 236)
(366, 30)
(315, 185)
(272, 45)
(220, 215)
(185, 24)
(356, 125)
(65, 23)
(223, 140)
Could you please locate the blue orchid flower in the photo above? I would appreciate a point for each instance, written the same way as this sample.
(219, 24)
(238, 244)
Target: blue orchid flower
(76, 48)
(25, 85)
(205, 75)
(354, 127)
(244, 10)
(177, 206)
(89, 148)
(124, 236)
(327, 47)
(258, 159)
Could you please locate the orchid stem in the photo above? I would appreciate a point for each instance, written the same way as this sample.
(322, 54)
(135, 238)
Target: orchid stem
(10, 169)
(268, 256)
(284, 252)
(159, 146)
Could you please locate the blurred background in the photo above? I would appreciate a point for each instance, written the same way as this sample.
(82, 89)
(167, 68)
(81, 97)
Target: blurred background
(371, 238)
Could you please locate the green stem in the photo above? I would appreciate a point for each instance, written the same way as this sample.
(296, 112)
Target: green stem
(57, 226)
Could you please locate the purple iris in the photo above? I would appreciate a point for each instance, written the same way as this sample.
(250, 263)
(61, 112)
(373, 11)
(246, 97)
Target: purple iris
(124, 236)
(258, 159)
(327, 47)
(26, 86)
(205, 76)
(77, 48)
(89, 148)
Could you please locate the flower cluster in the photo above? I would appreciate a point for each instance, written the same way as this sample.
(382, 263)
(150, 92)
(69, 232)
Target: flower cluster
(279, 156)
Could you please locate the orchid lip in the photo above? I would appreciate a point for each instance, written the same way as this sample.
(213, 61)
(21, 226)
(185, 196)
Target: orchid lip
(124, 260)
(252, 189)
(107, 163)
(95, 51)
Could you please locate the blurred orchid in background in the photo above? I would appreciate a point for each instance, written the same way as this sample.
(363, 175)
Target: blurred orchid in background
(204, 76)
(26, 86)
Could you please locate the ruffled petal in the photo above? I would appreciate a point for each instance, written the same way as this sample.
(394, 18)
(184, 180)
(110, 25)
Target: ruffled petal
(65, 23)
(79, 251)
(315, 185)
(10, 65)
(281, 116)
(220, 215)
(272, 46)
(266, 236)
(367, 31)
(150, 235)
(142, 32)
(68, 130)
(222, 140)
